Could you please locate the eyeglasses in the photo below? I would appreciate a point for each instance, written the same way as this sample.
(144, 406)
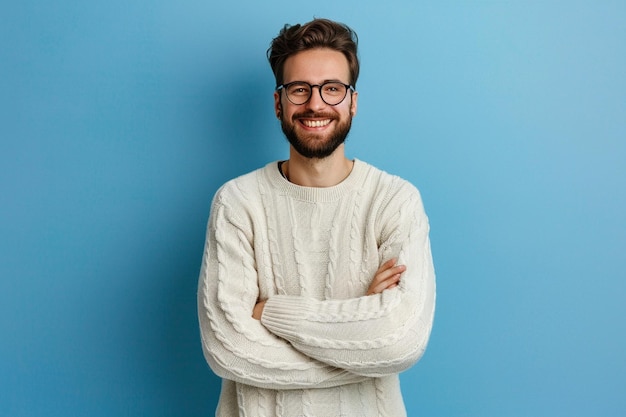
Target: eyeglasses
(331, 92)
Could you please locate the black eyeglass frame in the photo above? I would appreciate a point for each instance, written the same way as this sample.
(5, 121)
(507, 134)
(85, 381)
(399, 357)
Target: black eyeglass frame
(319, 88)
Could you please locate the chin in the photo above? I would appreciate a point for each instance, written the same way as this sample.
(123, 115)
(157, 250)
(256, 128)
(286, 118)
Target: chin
(323, 147)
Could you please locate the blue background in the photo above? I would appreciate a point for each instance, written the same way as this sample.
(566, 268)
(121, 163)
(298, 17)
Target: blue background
(119, 120)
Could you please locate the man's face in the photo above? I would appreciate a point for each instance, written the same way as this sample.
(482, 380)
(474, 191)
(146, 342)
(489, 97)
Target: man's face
(315, 129)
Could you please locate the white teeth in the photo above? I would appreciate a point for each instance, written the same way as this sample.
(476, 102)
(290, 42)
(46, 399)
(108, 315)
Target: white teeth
(315, 123)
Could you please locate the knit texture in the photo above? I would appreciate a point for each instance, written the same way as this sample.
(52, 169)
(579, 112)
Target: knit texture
(322, 348)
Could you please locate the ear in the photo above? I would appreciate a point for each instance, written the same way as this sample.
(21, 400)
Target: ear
(353, 104)
(278, 107)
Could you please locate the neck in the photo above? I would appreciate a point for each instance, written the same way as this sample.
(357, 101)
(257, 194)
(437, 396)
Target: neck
(312, 172)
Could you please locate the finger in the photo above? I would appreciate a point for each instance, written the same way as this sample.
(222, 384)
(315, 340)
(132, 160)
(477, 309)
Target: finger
(392, 268)
(380, 281)
(386, 274)
(383, 286)
(379, 287)
(386, 265)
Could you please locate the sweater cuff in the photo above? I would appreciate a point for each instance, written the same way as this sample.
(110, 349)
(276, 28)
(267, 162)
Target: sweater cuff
(283, 313)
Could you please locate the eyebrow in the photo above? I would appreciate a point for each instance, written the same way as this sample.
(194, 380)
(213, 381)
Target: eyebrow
(332, 80)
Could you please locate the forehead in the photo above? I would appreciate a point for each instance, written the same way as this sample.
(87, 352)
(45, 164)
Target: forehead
(316, 66)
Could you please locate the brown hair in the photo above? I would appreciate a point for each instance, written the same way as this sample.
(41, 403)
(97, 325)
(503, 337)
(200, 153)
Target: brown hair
(318, 33)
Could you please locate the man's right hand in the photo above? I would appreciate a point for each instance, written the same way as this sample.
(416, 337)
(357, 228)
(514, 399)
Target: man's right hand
(387, 277)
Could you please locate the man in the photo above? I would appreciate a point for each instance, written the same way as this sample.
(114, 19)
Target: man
(317, 285)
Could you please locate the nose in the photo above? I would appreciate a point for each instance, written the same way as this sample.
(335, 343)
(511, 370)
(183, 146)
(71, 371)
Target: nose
(315, 102)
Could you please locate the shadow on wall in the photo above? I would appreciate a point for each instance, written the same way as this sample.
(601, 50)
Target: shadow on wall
(237, 135)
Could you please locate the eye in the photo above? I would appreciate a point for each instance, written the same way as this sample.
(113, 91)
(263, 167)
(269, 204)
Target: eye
(334, 89)
(298, 90)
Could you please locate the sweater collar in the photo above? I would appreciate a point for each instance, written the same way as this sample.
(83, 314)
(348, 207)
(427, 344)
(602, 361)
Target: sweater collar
(316, 194)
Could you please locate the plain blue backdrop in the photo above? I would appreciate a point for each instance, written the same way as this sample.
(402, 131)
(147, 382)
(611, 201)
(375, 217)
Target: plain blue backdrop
(120, 119)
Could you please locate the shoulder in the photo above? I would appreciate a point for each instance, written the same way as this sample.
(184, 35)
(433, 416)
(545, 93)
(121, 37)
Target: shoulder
(244, 189)
(396, 203)
(239, 201)
(387, 186)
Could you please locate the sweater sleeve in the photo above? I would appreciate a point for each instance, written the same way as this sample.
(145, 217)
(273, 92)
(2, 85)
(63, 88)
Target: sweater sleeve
(236, 346)
(372, 335)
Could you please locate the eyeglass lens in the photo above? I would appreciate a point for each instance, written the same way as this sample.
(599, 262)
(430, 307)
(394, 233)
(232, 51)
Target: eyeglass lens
(332, 93)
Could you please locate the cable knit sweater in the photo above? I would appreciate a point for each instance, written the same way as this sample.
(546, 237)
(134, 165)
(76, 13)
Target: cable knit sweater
(322, 347)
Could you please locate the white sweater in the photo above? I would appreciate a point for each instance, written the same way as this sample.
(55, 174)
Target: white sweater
(322, 348)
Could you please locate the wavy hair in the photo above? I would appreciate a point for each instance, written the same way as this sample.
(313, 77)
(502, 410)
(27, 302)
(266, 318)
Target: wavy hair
(318, 33)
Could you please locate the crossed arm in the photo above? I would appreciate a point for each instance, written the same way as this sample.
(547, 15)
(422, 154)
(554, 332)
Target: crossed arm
(290, 342)
(387, 277)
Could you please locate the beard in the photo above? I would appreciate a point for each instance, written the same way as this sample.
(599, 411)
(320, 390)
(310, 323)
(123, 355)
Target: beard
(310, 145)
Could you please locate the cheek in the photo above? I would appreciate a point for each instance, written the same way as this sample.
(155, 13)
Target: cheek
(349, 111)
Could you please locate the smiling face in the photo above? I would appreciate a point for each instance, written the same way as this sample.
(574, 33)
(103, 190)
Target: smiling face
(315, 129)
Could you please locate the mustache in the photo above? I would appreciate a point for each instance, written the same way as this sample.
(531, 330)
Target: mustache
(313, 115)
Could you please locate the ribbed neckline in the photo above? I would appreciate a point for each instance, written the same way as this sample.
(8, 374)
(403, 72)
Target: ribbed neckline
(316, 194)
